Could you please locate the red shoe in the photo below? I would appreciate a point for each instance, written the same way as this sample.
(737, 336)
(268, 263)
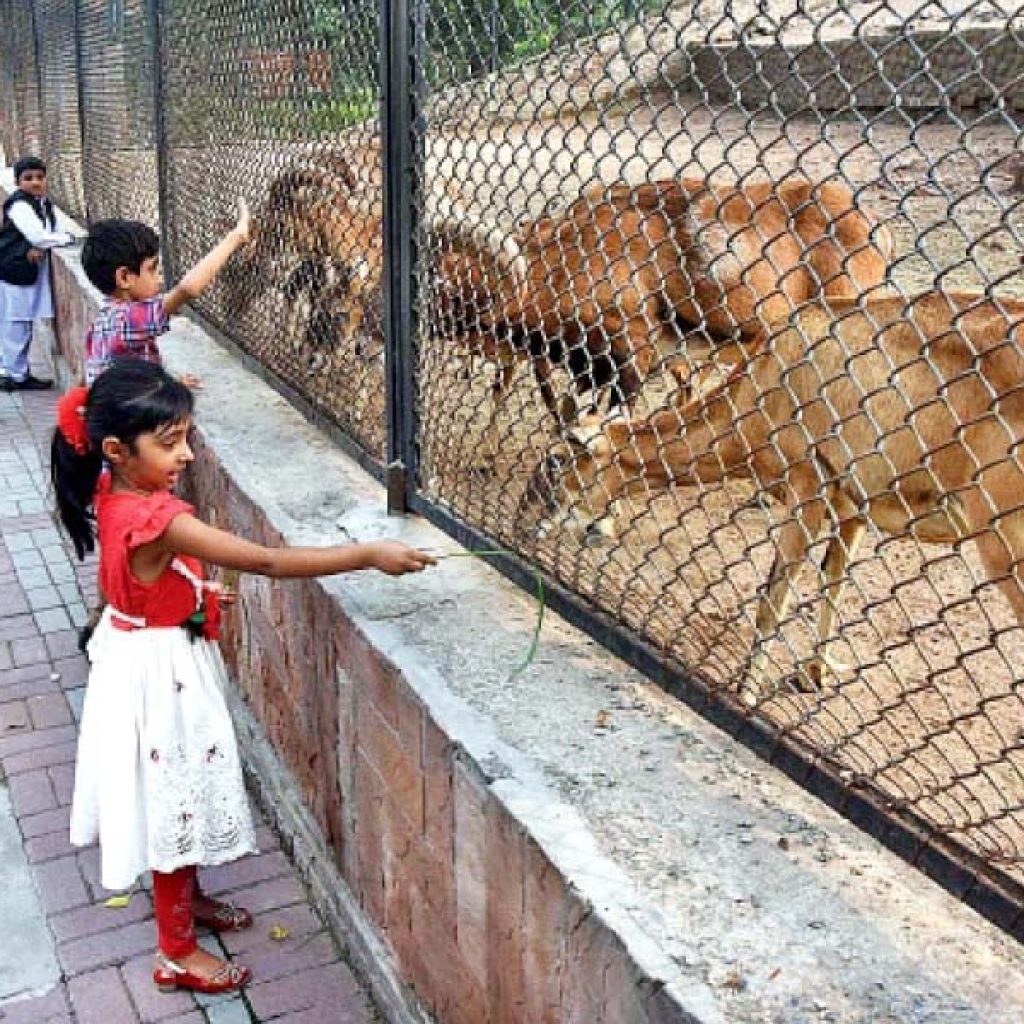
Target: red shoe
(170, 976)
(226, 918)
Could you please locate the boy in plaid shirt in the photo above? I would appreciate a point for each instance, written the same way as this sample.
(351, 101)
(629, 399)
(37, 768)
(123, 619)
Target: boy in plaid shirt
(121, 258)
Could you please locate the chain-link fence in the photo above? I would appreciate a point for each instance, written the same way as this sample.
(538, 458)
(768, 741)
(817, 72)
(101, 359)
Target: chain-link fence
(277, 102)
(117, 93)
(709, 309)
(39, 79)
(665, 351)
(61, 134)
(20, 78)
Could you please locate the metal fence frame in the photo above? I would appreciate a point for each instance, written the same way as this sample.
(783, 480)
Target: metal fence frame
(402, 32)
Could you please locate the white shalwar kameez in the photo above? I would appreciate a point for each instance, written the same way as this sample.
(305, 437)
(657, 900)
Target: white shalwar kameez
(21, 305)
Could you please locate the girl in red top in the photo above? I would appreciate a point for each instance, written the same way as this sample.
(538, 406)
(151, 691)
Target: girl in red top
(158, 780)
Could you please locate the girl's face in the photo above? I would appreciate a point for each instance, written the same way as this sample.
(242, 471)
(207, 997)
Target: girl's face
(33, 182)
(157, 458)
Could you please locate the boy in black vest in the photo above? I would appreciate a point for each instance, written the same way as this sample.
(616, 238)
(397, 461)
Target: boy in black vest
(28, 231)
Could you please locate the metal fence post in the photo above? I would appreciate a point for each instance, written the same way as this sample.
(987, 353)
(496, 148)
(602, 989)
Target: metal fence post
(80, 75)
(397, 116)
(40, 91)
(160, 139)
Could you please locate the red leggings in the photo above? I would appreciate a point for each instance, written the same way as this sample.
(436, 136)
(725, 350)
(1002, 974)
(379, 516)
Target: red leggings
(172, 906)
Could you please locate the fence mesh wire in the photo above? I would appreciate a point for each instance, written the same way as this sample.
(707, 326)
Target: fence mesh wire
(117, 96)
(20, 101)
(614, 380)
(717, 316)
(61, 133)
(276, 102)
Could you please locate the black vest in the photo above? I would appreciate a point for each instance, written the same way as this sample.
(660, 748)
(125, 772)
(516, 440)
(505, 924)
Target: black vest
(15, 267)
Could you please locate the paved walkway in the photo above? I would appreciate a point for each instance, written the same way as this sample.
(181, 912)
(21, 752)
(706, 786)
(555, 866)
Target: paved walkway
(100, 958)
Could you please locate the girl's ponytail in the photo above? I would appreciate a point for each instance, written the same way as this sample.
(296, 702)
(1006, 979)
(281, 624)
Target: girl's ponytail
(74, 471)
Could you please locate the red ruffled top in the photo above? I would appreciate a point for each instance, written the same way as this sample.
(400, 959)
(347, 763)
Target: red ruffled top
(125, 521)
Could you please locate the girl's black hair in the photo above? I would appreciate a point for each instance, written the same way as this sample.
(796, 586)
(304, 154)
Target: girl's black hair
(133, 397)
(117, 243)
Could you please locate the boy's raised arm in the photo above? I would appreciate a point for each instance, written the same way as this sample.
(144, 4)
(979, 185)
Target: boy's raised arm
(199, 278)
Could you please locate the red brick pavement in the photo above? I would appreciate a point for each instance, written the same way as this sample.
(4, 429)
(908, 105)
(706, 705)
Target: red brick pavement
(106, 954)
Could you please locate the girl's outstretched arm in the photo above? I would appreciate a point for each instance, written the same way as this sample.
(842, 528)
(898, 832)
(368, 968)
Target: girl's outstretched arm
(186, 535)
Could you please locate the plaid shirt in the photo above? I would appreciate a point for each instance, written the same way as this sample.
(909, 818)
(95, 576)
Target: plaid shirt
(124, 330)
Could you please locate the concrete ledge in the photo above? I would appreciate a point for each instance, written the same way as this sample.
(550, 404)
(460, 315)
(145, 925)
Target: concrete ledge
(568, 846)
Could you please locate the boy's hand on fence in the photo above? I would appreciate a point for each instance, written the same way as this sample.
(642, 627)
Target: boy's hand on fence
(396, 559)
(243, 227)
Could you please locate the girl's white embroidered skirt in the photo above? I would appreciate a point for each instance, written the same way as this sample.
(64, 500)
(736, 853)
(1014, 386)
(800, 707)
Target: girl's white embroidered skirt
(158, 780)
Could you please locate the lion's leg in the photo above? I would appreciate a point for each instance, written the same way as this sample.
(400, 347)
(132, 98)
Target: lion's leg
(842, 549)
(542, 372)
(795, 537)
(634, 350)
(1001, 548)
(992, 513)
(499, 394)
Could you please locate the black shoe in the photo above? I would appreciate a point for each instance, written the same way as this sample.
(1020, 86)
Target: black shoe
(31, 383)
(7, 383)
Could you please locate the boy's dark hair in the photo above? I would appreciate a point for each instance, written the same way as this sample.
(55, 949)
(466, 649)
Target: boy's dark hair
(131, 398)
(117, 243)
(27, 163)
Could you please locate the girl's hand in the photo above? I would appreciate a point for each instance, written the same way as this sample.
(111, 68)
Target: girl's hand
(35, 255)
(396, 559)
(243, 228)
(192, 382)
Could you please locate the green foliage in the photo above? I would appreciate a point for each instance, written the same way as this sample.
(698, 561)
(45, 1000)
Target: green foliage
(465, 39)
(327, 19)
(468, 38)
(326, 115)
